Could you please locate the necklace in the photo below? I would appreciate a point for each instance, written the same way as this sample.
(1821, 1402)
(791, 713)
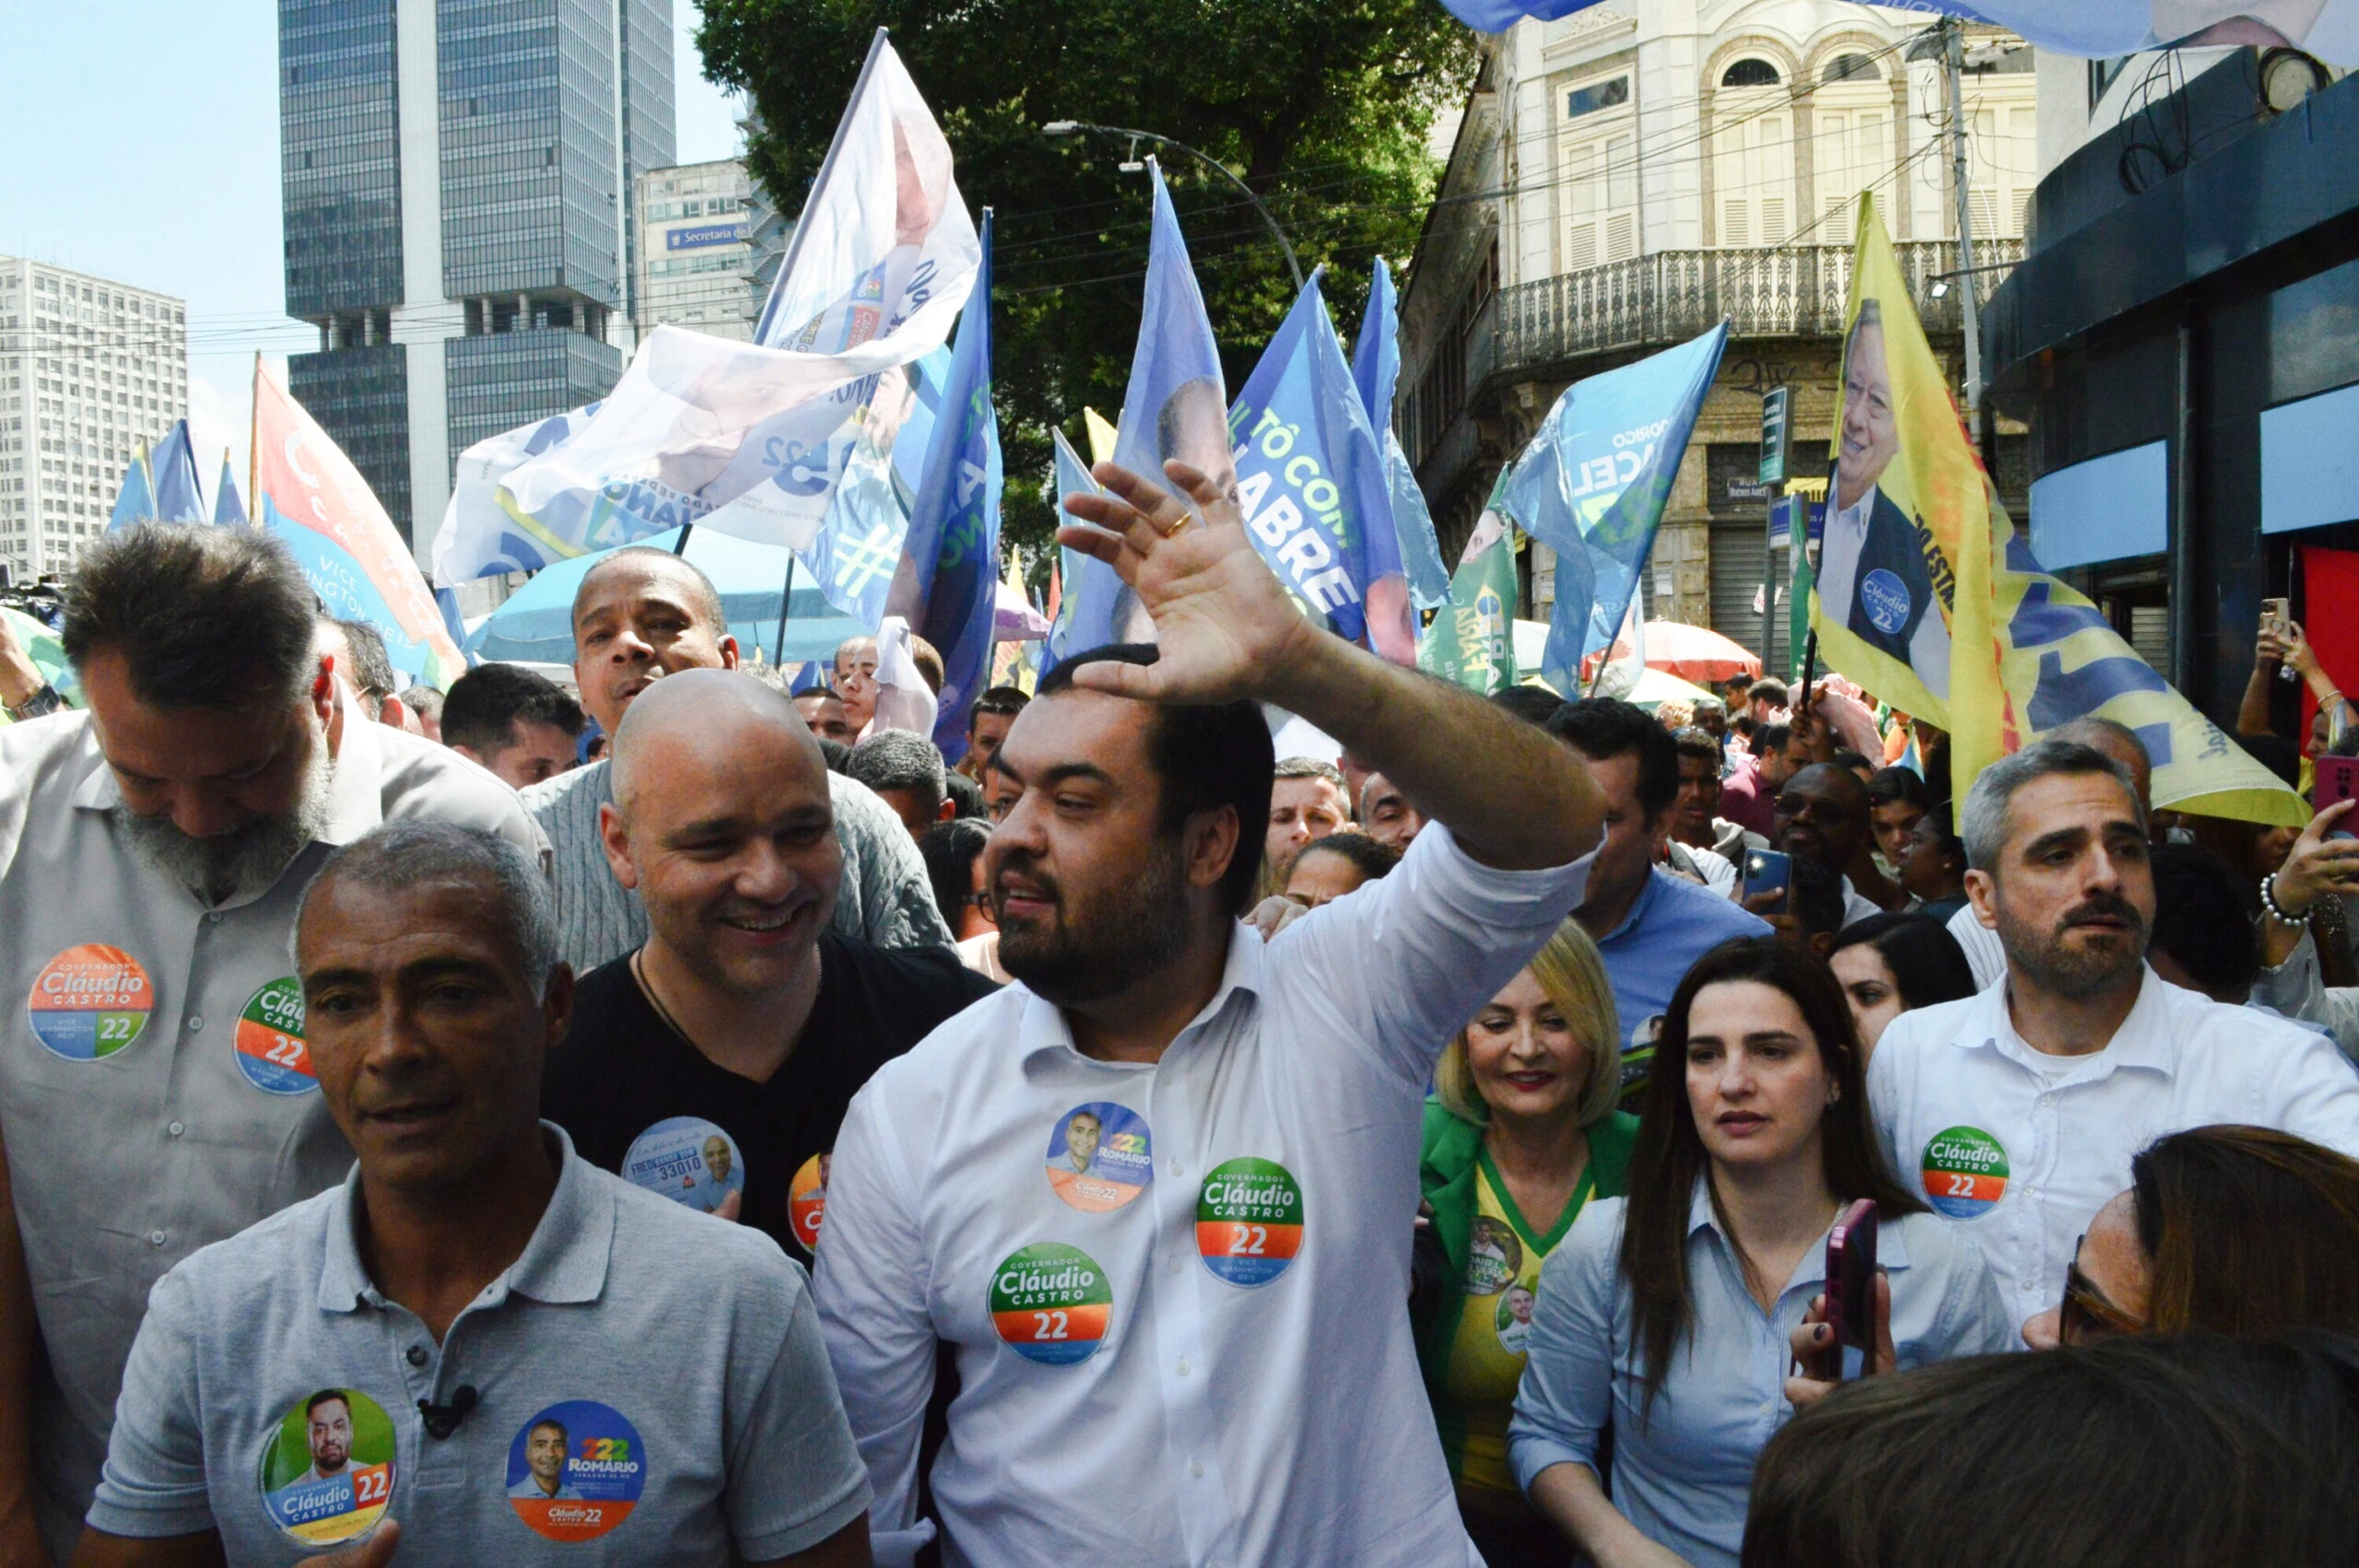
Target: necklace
(647, 989)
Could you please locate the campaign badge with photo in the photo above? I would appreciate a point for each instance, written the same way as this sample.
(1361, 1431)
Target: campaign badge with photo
(1099, 1156)
(688, 1160)
(268, 1044)
(327, 1467)
(91, 1001)
(1964, 1172)
(1513, 1318)
(1249, 1221)
(1493, 1256)
(806, 1200)
(1051, 1303)
(575, 1471)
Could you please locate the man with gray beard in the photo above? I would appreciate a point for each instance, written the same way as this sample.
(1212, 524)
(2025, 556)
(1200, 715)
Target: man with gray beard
(155, 1091)
(2017, 1110)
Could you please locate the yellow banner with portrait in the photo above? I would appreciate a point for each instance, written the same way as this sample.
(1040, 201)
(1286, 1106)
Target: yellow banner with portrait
(1928, 596)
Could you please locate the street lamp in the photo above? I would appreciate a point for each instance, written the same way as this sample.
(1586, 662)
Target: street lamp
(1062, 128)
(1941, 280)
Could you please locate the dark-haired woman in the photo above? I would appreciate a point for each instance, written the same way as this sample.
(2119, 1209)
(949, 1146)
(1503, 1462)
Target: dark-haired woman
(1667, 1315)
(1890, 963)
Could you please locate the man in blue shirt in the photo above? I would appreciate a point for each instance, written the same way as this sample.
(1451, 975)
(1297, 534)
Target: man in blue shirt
(1648, 925)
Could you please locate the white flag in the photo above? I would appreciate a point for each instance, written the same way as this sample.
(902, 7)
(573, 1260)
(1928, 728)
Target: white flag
(750, 439)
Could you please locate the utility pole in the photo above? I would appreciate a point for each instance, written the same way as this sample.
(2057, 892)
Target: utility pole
(1953, 41)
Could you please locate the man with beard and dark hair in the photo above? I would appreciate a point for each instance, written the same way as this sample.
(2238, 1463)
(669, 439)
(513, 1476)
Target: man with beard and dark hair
(156, 1095)
(2019, 1109)
(1203, 1355)
(1823, 814)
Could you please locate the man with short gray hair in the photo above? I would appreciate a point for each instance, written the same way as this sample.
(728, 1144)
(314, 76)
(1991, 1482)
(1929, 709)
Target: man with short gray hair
(155, 1091)
(907, 773)
(2017, 1110)
(472, 1284)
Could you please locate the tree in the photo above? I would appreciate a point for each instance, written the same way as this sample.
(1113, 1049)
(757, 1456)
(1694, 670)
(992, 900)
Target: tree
(1321, 108)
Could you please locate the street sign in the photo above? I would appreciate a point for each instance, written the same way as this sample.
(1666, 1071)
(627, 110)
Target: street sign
(1775, 405)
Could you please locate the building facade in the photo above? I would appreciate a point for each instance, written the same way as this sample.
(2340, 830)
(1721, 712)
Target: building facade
(460, 225)
(90, 370)
(1623, 179)
(696, 268)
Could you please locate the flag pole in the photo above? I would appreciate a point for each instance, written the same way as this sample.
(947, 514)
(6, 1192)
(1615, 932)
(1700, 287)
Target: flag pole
(785, 602)
(253, 445)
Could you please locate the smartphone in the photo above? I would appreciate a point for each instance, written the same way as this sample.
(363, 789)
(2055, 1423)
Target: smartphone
(1850, 1294)
(2276, 615)
(2338, 780)
(1769, 871)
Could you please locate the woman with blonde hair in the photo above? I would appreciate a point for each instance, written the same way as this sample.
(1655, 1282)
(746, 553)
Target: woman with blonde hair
(1521, 1133)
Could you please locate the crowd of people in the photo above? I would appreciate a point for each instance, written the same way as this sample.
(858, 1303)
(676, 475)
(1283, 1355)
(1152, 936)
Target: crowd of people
(679, 1118)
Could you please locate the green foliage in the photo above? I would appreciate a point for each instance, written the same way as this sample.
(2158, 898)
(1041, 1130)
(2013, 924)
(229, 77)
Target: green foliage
(1321, 106)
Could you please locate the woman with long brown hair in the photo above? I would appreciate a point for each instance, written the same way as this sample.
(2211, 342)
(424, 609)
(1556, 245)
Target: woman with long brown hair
(1667, 1313)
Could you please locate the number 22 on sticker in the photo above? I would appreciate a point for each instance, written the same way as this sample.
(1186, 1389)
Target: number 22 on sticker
(1051, 1326)
(1248, 1241)
(605, 1450)
(371, 1486)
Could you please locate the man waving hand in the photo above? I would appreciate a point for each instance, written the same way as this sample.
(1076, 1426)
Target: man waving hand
(1200, 1354)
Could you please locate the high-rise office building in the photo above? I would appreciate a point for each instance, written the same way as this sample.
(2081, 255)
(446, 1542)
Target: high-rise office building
(695, 267)
(89, 369)
(459, 221)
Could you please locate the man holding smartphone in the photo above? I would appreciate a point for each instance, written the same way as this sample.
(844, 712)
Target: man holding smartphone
(2016, 1111)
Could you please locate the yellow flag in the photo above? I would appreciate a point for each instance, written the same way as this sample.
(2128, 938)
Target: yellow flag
(1927, 595)
(1101, 437)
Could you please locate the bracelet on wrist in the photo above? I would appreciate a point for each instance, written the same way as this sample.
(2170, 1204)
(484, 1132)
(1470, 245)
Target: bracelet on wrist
(40, 705)
(2277, 911)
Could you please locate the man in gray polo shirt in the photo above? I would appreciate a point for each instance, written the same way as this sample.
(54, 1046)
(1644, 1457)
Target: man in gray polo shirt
(638, 615)
(156, 1094)
(537, 1361)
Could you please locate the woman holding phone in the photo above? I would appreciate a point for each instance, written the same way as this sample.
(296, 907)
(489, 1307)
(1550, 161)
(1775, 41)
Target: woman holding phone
(1667, 1315)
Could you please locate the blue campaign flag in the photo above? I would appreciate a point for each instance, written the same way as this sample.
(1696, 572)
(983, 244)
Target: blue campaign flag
(1591, 485)
(1177, 404)
(1375, 367)
(173, 465)
(1310, 482)
(446, 599)
(947, 582)
(1093, 593)
(810, 677)
(859, 543)
(136, 501)
(228, 508)
(345, 589)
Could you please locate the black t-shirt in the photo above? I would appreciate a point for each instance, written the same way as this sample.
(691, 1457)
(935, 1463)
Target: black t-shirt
(642, 1101)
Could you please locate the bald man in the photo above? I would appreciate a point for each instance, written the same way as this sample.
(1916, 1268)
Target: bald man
(642, 616)
(743, 1019)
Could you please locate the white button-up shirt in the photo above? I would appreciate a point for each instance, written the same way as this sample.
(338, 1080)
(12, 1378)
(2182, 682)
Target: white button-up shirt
(2023, 1149)
(1216, 1369)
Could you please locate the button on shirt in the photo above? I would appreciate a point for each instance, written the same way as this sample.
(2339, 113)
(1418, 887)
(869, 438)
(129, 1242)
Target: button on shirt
(1671, 924)
(1682, 1470)
(885, 899)
(1217, 1368)
(179, 1109)
(680, 1353)
(2023, 1149)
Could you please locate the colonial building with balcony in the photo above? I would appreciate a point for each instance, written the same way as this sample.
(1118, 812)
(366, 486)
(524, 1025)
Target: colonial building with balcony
(1623, 179)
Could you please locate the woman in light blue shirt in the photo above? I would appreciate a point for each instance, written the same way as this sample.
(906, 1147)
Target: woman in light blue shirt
(1667, 1313)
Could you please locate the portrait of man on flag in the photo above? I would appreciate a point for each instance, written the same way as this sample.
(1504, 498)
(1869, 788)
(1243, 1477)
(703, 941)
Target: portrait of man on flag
(1873, 577)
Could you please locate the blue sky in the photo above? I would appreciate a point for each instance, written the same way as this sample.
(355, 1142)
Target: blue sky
(142, 145)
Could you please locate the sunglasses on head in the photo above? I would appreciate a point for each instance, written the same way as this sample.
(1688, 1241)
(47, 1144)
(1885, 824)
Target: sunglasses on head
(2084, 1315)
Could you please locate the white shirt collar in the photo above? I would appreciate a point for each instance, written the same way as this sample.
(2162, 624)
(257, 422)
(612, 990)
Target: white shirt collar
(1043, 1030)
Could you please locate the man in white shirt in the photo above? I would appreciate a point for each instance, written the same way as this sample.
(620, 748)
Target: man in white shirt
(2018, 1110)
(1218, 1367)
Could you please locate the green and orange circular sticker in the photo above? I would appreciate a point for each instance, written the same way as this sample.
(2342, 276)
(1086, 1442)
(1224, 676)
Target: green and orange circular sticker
(1249, 1221)
(269, 1045)
(91, 1001)
(1050, 1302)
(1964, 1171)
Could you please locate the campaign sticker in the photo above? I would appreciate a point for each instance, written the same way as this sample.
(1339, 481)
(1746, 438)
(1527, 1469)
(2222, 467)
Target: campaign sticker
(1493, 1256)
(91, 1001)
(327, 1467)
(575, 1471)
(1965, 1172)
(688, 1160)
(806, 1200)
(1512, 1321)
(1098, 1156)
(1052, 1303)
(1249, 1221)
(269, 1044)
(1885, 599)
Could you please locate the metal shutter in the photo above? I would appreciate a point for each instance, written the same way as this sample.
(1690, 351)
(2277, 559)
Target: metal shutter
(1736, 577)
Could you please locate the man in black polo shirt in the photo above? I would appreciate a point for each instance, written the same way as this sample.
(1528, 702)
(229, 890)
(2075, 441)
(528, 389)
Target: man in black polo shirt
(713, 1064)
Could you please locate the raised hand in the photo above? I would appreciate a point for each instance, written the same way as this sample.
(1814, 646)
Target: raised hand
(1223, 623)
